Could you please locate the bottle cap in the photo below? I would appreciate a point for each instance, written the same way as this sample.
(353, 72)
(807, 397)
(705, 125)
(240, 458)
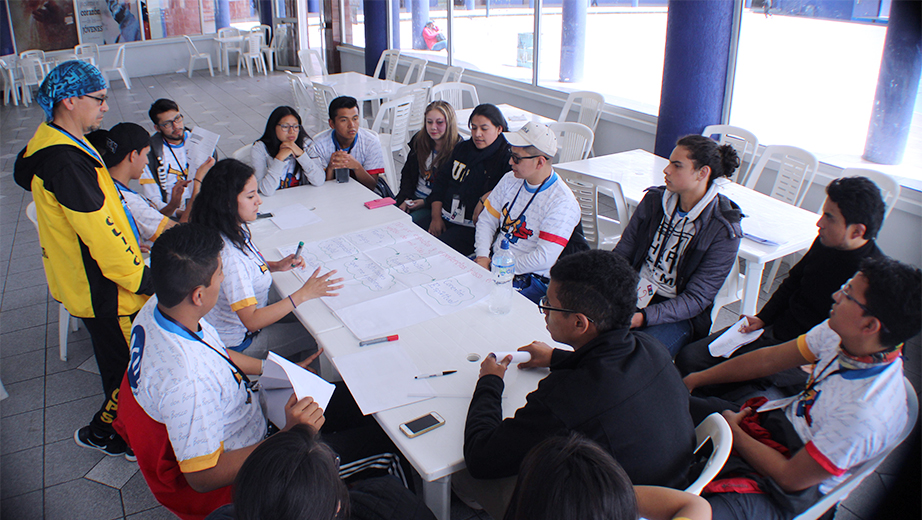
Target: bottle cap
(505, 244)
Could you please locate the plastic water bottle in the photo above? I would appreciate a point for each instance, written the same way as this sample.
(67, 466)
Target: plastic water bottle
(503, 268)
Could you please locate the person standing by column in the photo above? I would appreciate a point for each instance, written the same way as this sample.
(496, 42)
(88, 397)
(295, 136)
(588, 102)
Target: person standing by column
(89, 250)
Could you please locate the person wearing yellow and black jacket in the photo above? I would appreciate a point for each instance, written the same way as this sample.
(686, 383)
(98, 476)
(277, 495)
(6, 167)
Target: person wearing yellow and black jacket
(89, 243)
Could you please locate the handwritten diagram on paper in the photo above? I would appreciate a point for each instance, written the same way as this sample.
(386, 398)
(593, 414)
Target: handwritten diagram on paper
(394, 276)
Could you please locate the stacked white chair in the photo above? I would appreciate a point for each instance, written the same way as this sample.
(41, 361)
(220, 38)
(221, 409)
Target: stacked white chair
(416, 69)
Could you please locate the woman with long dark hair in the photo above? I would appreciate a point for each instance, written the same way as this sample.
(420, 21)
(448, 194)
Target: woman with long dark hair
(280, 157)
(228, 201)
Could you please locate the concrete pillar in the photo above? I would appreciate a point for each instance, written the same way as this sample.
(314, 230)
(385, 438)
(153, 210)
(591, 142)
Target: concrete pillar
(395, 24)
(375, 33)
(420, 13)
(573, 40)
(897, 84)
(694, 69)
(221, 14)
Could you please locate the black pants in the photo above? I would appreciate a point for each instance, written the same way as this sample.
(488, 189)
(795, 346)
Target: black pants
(110, 345)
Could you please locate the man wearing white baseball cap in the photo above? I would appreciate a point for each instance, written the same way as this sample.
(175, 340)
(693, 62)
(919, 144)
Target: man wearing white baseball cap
(532, 208)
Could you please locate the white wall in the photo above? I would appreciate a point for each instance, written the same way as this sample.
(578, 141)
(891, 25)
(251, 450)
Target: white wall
(164, 56)
(621, 129)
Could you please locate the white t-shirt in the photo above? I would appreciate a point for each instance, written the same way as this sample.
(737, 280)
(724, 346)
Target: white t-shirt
(850, 416)
(366, 149)
(246, 282)
(174, 166)
(150, 222)
(184, 384)
(540, 233)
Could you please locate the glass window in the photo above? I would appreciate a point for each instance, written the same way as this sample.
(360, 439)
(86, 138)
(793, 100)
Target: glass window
(241, 14)
(174, 18)
(354, 14)
(494, 36)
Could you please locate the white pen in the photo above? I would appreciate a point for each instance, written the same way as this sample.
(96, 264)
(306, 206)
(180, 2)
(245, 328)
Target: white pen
(437, 374)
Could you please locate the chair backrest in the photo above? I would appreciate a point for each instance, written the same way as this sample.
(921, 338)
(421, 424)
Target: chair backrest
(452, 74)
(590, 108)
(715, 428)
(743, 141)
(889, 187)
(390, 169)
(312, 62)
(586, 190)
(32, 71)
(87, 52)
(420, 94)
(323, 96)
(453, 93)
(242, 154)
(225, 32)
(33, 53)
(731, 291)
(416, 69)
(304, 102)
(574, 141)
(254, 44)
(390, 57)
(192, 49)
(841, 491)
(264, 30)
(795, 172)
(119, 61)
(393, 118)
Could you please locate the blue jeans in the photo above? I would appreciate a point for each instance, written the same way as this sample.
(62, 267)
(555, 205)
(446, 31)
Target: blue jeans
(530, 287)
(673, 335)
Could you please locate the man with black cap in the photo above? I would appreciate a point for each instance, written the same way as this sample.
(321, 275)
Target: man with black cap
(91, 256)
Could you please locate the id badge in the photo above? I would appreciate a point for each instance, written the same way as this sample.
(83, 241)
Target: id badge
(777, 403)
(645, 292)
(457, 211)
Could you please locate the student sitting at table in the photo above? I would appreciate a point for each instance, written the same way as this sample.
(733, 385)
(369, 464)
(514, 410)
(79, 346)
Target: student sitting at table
(280, 156)
(616, 387)
(531, 207)
(683, 239)
(852, 215)
(463, 182)
(243, 316)
(430, 148)
(348, 146)
(789, 452)
(573, 477)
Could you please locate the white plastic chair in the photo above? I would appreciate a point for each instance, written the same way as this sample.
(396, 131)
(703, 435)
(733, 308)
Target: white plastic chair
(65, 323)
(11, 82)
(33, 73)
(453, 93)
(269, 51)
(323, 96)
(304, 102)
(743, 141)
(33, 53)
(118, 65)
(391, 126)
(417, 69)
(390, 168)
(420, 94)
(312, 62)
(390, 57)
(194, 54)
(600, 232)
(242, 154)
(452, 75)
(590, 108)
(715, 428)
(841, 491)
(574, 141)
(253, 55)
(889, 187)
(795, 173)
(230, 32)
(731, 291)
(88, 52)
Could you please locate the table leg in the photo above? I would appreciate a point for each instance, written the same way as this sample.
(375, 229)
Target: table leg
(751, 291)
(226, 62)
(437, 495)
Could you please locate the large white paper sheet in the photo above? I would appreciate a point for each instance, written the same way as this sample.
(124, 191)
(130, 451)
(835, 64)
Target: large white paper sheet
(294, 216)
(448, 295)
(381, 378)
(727, 343)
(201, 145)
(281, 377)
(381, 316)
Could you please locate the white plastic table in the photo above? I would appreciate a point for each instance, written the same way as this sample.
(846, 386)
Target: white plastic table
(361, 87)
(515, 116)
(455, 342)
(637, 170)
(224, 44)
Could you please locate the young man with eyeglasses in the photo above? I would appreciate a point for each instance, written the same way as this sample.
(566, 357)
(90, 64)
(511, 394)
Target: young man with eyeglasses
(616, 387)
(531, 207)
(793, 450)
(853, 213)
(90, 253)
(166, 179)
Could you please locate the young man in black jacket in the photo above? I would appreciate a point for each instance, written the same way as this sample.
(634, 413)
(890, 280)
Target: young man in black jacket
(617, 387)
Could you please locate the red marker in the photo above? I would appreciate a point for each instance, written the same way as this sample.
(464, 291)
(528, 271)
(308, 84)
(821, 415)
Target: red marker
(378, 340)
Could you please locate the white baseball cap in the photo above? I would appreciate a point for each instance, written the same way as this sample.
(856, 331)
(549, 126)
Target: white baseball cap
(534, 134)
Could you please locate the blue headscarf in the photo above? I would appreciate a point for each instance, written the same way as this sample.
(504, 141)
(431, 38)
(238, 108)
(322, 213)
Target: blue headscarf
(69, 79)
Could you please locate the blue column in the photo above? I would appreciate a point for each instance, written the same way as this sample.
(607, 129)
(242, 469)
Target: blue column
(6, 36)
(395, 16)
(468, 4)
(573, 40)
(221, 14)
(694, 69)
(375, 32)
(420, 11)
(897, 84)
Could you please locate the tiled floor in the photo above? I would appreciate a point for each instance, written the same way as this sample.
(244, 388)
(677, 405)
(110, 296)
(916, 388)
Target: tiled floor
(43, 473)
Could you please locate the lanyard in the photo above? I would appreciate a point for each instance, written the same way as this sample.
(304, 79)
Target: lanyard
(261, 261)
(131, 220)
(80, 143)
(508, 223)
(185, 170)
(235, 370)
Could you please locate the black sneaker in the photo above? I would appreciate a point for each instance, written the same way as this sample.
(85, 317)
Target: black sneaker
(129, 454)
(113, 445)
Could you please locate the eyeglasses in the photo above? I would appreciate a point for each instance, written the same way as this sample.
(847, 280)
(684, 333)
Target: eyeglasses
(516, 159)
(100, 99)
(545, 309)
(844, 290)
(172, 122)
(288, 128)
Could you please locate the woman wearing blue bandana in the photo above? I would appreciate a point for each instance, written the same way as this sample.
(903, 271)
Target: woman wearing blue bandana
(90, 253)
